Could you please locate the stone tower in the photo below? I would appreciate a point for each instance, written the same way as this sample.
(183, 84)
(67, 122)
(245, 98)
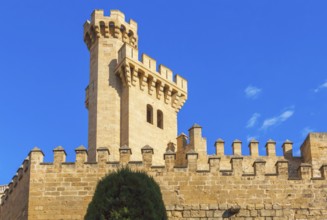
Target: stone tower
(131, 105)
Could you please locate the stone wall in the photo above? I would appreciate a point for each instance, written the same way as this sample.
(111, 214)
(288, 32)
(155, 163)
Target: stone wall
(14, 202)
(2, 191)
(209, 196)
(122, 87)
(62, 190)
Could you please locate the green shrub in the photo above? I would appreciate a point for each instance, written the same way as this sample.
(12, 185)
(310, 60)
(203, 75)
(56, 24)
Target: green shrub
(127, 195)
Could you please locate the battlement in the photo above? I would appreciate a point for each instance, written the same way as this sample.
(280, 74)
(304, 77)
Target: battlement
(18, 181)
(313, 154)
(250, 167)
(254, 176)
(145, 75)
(3, 188)
(2, 191)
(113, 26)
(314, 150)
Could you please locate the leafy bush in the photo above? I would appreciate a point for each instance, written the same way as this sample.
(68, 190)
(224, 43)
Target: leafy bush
(127, 195)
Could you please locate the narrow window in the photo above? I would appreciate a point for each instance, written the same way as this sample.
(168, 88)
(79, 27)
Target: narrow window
(149, 114)
(160, 119)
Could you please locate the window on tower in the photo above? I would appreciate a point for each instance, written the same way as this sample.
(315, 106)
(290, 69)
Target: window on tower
(149, 114)
(159, 119)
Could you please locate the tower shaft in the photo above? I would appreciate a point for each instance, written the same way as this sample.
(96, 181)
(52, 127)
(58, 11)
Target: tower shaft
(131, 104)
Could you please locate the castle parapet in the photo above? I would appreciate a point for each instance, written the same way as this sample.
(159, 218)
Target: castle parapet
(59, 156)
(323, 171)
(143, 74)
(2, 191)
(18, 182)
(149, 63)
(314, 151)
(282, 169)
(36, 156)
(166, 73)
(220, 147)
(259, 167)
(308, 165)
(81, 156)
(305, 171)
(170, 158)
(271, 148)
(113, 26)
(288, 149)
(147, 156)
(214, 164)
(312, 166)
(3, 188)
(254, 148)
(237, 166)
(192, 160)
(125, 155)
(237, 147)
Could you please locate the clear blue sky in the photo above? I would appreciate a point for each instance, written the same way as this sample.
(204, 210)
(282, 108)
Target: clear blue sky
(255, 69)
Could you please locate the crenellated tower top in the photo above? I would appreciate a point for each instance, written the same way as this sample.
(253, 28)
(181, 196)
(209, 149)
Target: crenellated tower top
(113, 26)
(131, 101)
(143, 74)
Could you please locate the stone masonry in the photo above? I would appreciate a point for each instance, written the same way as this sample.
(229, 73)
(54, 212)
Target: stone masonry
(133, 122)
(122, 89)
(2, 191)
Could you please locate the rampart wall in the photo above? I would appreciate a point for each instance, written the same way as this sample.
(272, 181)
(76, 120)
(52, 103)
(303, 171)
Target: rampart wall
(2, 191)
(14, 202)
(229, 188)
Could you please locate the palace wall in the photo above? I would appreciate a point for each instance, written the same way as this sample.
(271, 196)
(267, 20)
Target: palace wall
(14, 202)
(285, 190)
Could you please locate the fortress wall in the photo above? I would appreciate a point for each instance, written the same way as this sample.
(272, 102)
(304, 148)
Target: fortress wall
(236, 186)
(66, 194)
(14, 202)
(62, 190)
(209, 196)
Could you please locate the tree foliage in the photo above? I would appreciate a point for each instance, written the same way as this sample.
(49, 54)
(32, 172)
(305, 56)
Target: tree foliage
(127, 195)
